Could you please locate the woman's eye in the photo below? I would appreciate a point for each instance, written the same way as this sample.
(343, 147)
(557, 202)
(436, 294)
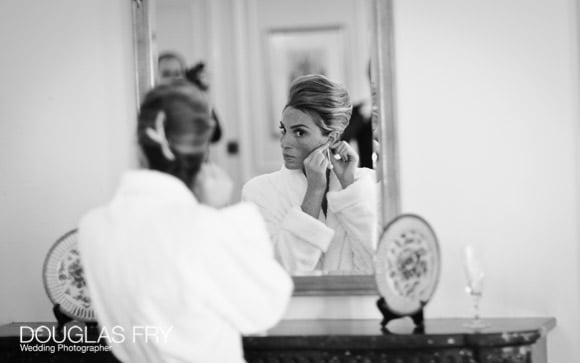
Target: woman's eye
(299, 133)
(282, 130)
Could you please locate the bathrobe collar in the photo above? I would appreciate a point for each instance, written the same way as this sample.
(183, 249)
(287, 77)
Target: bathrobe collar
(296, 181)
(154, 184)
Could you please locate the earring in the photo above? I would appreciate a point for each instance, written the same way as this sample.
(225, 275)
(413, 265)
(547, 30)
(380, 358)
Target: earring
(335, 135)
(330, 166)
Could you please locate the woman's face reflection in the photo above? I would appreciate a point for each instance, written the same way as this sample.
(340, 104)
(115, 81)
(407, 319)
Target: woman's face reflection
(169, 70)
(299, 136)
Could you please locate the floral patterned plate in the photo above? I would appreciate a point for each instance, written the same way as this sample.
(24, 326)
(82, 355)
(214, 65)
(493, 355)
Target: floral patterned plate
(408, 264)
(64, 279)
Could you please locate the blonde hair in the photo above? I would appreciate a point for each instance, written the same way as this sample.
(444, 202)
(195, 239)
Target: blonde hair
(326, 101)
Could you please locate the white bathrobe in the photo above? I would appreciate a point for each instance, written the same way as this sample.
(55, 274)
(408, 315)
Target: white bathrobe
(154, 257)
(343, 240)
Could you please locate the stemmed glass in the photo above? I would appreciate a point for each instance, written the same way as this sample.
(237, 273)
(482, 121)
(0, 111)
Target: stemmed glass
(475, 276)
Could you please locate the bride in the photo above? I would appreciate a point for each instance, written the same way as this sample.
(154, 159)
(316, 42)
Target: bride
(320, 208)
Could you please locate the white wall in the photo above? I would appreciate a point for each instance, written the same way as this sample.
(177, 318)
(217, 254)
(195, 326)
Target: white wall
(489, 141)
(67, 112)
(181, 26)
(489, 124)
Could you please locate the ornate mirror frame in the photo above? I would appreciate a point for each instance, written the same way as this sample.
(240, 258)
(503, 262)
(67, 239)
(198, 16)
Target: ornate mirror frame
(383, 76)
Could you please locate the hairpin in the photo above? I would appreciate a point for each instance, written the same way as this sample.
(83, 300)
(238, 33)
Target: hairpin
(158, 135)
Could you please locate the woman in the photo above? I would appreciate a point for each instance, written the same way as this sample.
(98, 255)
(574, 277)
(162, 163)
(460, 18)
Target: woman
(320, 209)
(176, 280)
(171, 67)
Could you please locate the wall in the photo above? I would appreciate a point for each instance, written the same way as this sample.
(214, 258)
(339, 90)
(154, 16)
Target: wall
(489, 142)
(180, 26)
(67, 111)
(489, 133)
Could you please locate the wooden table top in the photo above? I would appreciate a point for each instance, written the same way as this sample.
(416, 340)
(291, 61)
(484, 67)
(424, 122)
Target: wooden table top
(436, 333)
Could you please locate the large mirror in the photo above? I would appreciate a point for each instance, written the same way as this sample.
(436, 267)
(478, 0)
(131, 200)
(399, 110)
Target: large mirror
(251, 50)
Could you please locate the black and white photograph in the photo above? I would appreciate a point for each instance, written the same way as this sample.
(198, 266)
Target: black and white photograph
(252, 181)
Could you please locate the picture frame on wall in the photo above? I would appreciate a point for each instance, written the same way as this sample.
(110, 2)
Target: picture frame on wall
(296, 52)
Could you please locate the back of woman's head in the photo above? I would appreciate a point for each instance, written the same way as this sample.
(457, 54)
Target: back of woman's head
(174, 129)
(326, 101)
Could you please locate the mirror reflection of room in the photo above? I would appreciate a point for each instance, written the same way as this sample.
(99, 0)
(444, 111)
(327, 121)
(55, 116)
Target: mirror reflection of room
(319, 196)
(320, 207)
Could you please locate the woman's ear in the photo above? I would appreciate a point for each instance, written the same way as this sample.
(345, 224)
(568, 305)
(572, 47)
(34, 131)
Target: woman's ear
(333, 137)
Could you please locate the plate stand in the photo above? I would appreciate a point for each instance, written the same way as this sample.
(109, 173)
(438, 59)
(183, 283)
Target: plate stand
(92, 330)
(389, 315)
(61, 319)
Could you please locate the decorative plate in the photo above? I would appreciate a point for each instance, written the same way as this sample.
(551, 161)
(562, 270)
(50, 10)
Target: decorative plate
(64, 280)
(408, 264)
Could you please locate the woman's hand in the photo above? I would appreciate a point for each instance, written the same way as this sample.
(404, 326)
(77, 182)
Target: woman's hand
(315, 166)
(345, 166)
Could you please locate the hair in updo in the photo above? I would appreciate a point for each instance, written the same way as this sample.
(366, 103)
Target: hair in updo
(326, 101)
(188, 125)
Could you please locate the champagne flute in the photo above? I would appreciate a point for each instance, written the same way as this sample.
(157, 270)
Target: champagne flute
(475, 276)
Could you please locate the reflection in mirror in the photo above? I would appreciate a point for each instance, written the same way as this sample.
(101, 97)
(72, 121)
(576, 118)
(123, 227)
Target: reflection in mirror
(320, 207)
(252, 51)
